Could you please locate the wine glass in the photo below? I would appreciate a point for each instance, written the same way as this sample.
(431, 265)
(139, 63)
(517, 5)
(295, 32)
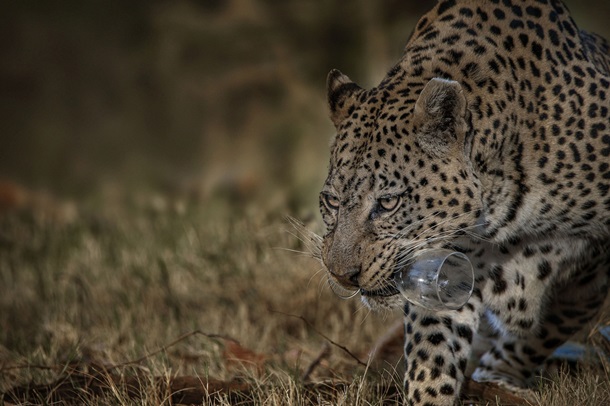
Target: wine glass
(437, 279)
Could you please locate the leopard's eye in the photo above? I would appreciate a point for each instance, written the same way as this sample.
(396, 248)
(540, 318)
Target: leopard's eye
(330, 201)
(389, 203)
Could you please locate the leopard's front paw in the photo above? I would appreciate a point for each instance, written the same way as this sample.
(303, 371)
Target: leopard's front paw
(511, 384)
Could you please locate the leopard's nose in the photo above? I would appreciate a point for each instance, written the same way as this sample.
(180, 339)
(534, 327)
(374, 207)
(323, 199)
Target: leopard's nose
(348, 278)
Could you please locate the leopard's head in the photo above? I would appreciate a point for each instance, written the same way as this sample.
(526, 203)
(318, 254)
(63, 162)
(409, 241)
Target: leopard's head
(399, 180)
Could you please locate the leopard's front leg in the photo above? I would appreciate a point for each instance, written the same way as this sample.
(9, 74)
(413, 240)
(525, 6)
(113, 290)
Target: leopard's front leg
(437, 347)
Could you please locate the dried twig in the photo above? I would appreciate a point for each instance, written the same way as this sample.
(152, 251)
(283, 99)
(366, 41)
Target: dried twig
(345, 349)
(487, 391)
(176, 341)
(31, 366)
(132, 362)
(314, 364)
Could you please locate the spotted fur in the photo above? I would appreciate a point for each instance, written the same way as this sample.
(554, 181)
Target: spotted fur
(491, 136)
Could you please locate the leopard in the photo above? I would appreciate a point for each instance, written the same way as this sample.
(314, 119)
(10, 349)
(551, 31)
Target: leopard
(490, 137)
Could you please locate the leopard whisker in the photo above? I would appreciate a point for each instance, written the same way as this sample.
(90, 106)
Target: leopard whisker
(311, 240)
(307, 254)
(316, 274)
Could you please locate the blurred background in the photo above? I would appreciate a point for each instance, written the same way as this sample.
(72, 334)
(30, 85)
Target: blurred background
(195, 98)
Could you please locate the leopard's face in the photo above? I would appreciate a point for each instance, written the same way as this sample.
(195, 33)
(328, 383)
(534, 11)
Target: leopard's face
(399, 181)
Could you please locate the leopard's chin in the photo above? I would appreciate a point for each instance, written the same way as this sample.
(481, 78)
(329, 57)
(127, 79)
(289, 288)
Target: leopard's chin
(374, 302)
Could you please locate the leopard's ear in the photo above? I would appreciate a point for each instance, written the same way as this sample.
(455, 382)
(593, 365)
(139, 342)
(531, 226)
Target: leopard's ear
(439, 116)
(342, 95)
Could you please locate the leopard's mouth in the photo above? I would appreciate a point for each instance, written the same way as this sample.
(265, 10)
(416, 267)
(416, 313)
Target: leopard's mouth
(386, 291)
(347, 293)
(388, 297)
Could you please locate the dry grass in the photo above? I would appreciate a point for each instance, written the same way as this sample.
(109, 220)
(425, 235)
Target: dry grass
(587, 388)
(108, 288)
(93, 291)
